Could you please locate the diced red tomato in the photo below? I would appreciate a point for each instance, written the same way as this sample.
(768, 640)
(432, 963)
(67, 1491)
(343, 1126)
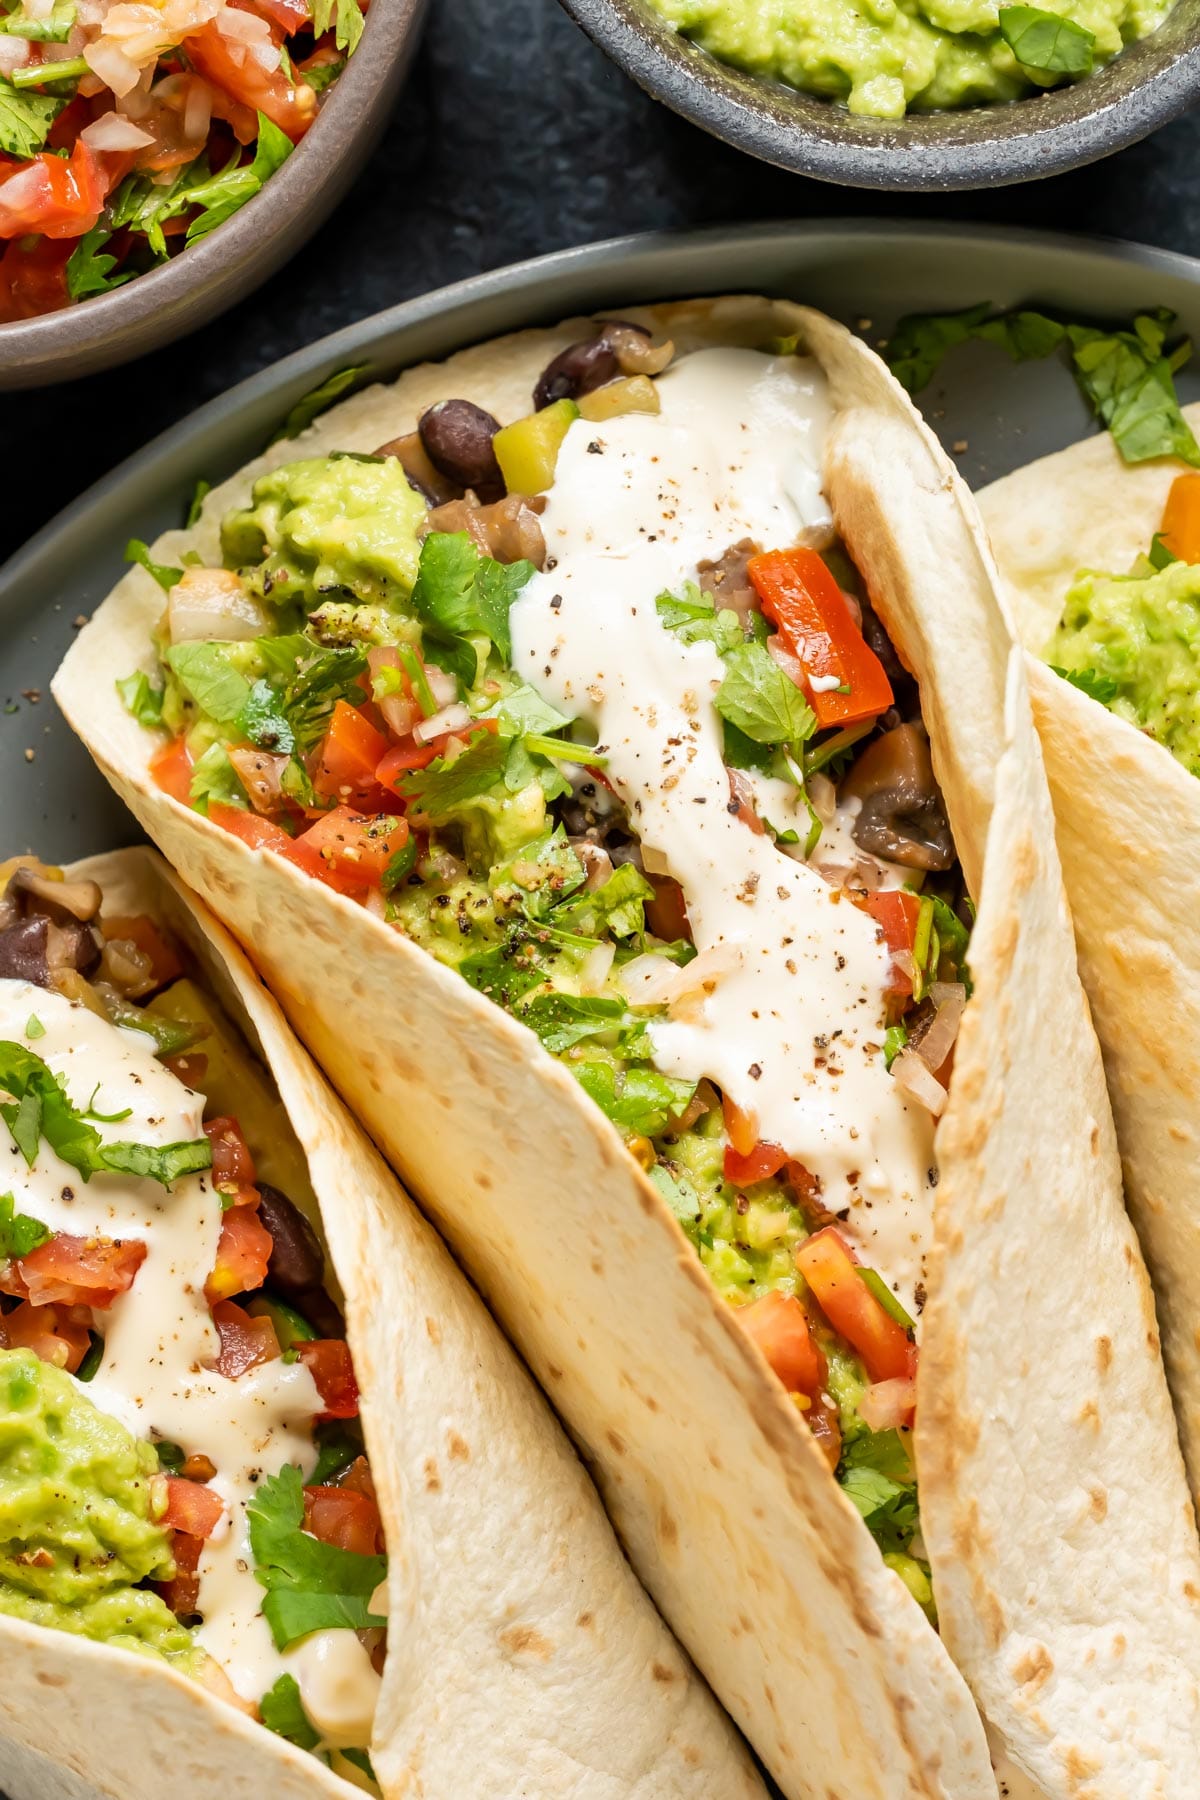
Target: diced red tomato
(779, 1326)
(339, 1516)
(349, 851)
(759, 1164)
(229, 64)
(896, 912)
(328, 1362)
(192, 1507)
(56, 1334)
(75, 1271)
(257, 832)
(245, 1342)
(666, 913)
(33, 278)
(401, 759)
(171, 768)
(746, 1158)
(233, 1165)
(243, 1255)
(142, 931)
(349, 755)
(828, 1266)
(1180, 529)
(188, 1066)
(60, 197)
(801, 597)
(182, 1592)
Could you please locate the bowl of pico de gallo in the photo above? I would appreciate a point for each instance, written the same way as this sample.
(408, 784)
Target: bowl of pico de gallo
(160, 158)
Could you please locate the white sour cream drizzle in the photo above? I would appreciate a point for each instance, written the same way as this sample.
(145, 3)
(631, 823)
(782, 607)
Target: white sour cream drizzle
(156, 1374)
(793, 1032)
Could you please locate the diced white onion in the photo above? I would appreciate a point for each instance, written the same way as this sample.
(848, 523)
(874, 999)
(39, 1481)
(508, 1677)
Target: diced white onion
(212, 603)
(14, 54)
(267, 56)
(657, 981)
(113, 67)
(886, 1405)
(21, 189)
(653, 861)
(451, 718)
(919, 1082)
(112, 132)
(950, 997)
(442, 685)
(594, 969)
(245, 27)
(197, 111)
(824, 684)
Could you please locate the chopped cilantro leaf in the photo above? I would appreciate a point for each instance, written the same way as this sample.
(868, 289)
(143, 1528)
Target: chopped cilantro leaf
(19, 1234)
(459, 593)
(34, 1027)
(215, 778)
(282, 1711)
(759, 700)
(222, 194)
(40, 1108)
(1090, 682)
(90, 266)
(444, 786)
(337, 1447)
(894, 1040)
(319, 400)
(310, 1586)
(1047, 41)
(263, 720)
(920, 341)
(141, 699)
(1158, 556)
(313, 680)
(25, 119)
(561, 1020)
(138, 552)
(54, 28)
(319, 75)
(693, 617)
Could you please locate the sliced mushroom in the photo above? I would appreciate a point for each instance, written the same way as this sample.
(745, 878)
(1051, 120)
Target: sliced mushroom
(634, 349)
(413, 458)
(23, 952)
(71, 946)
(57, 899)
(903, 818)
(507, 530)
(726, 581)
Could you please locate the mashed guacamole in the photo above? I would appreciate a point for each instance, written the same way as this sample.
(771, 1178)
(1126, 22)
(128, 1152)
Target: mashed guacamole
(79, 1510)
(882, 58)
(1133, 642)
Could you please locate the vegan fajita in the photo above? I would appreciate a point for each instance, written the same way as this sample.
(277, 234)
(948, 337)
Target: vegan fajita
(638, 688)
(1100, 563)
(193, 1512)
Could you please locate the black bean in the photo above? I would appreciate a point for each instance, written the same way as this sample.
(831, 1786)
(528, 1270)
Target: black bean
(23, 952)
(457, 437)
(576, 370)
(297, 1261)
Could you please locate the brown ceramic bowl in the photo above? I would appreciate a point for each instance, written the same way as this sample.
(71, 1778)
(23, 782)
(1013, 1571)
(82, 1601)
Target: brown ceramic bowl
(231, 261)
(981, 146)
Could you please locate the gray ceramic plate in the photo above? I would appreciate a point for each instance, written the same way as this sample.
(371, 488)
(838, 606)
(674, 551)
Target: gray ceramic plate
(53, 800)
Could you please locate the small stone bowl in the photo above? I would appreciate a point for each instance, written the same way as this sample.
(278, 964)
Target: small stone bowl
(235, 258)
(979, 146)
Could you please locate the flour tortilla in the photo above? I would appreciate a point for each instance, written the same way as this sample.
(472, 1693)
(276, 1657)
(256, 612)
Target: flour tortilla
(1129, 837)
(523, 1656)
(726, 1506)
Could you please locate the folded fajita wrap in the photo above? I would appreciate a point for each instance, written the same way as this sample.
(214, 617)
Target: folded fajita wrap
(676, 726)
(1099, 586)
(232, 1560)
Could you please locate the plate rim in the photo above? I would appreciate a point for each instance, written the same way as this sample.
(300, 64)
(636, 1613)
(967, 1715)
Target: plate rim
(283, 381)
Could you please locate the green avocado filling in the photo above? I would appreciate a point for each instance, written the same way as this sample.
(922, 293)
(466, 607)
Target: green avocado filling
(881, 58)
(1133, 642)
(493, 881)
(79, 1505)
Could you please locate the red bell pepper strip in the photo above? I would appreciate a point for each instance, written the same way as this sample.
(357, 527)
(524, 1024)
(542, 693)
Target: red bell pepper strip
(800, 596)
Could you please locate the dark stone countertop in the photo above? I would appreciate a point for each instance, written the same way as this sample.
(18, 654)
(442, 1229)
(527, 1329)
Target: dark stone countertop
(515, 136)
